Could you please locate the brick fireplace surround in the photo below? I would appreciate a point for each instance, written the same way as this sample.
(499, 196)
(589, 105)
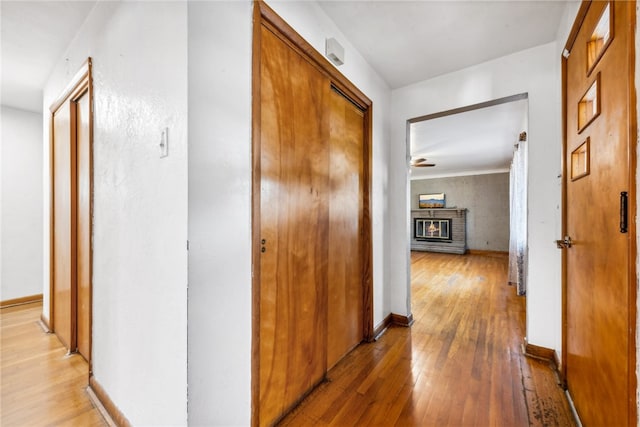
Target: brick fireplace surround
(458, 243)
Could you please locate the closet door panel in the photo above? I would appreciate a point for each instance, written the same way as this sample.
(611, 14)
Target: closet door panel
(294, 213)
(345, 285)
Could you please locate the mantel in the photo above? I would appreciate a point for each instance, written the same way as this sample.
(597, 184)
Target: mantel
(438, 209)
(434, 211)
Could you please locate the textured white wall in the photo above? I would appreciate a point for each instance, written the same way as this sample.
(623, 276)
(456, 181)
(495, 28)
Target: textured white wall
(220, 196)
(139, 52)
(486, 198)
(534, 71)
(21, 217)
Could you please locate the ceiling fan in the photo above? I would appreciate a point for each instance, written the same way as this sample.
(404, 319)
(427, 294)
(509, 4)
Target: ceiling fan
(421, 163)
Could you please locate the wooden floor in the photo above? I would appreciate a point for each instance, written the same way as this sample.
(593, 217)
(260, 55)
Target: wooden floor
(460, 364)
(41, 386)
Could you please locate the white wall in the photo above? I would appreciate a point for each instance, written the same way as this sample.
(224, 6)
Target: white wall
(534, 71)
(21, 216)
(220, 196)
(139, 52)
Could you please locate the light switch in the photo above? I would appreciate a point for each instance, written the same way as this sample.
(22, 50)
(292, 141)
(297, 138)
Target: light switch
(164, 143)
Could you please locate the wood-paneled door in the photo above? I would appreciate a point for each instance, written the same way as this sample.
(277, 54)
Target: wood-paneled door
(71, 175)
(82, 108)
(599, 252)
(63, 230)
(294, 226)
(312, 237)
(345, 293)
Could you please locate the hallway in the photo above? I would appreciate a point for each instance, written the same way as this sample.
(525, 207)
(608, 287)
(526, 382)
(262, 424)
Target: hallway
(461, 362)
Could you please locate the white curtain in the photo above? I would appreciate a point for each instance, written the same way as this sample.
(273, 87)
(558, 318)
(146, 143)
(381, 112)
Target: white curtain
(518, 217)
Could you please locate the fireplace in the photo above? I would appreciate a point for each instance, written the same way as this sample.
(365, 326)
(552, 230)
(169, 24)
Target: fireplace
(432, 229)
(439, 230)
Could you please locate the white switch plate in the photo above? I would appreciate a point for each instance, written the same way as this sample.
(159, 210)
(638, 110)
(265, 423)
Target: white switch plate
(164, 143)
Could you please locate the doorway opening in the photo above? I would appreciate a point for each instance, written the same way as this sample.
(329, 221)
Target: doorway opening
(468, 167)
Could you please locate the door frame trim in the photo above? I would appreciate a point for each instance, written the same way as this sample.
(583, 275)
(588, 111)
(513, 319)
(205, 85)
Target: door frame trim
(632, 231)
(81, 83)
(263, 15)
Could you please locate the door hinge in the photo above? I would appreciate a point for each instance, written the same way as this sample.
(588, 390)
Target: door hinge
(566, 54)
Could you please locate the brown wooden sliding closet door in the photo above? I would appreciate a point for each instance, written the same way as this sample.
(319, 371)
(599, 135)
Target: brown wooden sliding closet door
(312, 270)
(83, 150)
(63, 247)
(71, 171)
(294, 227)
(345, 329)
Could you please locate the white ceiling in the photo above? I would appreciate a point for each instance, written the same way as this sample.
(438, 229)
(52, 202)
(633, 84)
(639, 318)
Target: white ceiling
(473, 142)
(410, 41)
(404, 41)
(33, 35)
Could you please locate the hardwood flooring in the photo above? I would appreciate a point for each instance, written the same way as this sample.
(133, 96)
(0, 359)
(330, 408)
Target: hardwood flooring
(41, 385)
(460, 364)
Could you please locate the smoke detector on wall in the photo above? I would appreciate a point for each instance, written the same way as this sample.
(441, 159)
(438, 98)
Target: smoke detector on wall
(334, 51)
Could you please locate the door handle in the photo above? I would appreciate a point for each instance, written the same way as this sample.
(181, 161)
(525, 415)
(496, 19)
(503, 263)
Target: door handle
(564, 243)
(624, 204)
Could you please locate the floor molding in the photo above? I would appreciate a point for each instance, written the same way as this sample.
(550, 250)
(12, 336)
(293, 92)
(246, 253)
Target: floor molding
(44, 324)
(20, 301)
(400, 320)
(391, 319)
(538, 352)
(100, 407)
(487, 253)
(546, 354)
(381, 328)
(105, 405)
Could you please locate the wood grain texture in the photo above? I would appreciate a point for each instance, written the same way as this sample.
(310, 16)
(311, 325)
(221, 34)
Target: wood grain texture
(632, 273)
(71, 212)
(461, 363)
(292, 214)
(22, 300)
(600, 297)
(256, 148)
(83, 224)
(270, 19)
(381, 328)
(294, 226)
(400, 320)
(345, 285)
(542, 353)
(41, 385)
(63, 233)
